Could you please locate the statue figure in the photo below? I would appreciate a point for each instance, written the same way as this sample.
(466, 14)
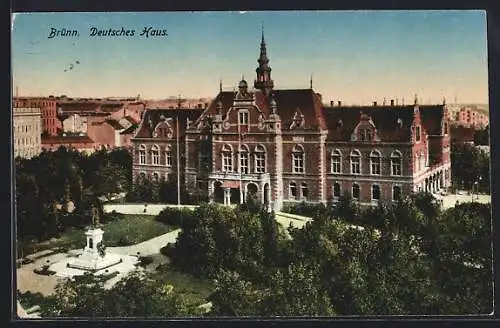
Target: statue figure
(95, 216)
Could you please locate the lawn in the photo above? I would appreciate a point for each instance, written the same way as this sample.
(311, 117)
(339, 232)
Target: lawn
(196, 290)
(125, 230)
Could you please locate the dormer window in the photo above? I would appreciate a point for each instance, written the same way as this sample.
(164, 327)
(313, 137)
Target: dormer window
(365, 134)
(243, 117)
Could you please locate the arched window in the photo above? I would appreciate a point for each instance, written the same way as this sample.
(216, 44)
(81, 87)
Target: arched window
(260, 159)
(396, 193)
(417, 133)
(303, 190)
(142, 176)
(142, 154)
(375, 192)
(396, 163)
(336, 190)
(168, 156)
(227, 158)
(355, 162)
(243, 153)
(156, 177)
(336, 161)
(155, 155)
(298, 159)
(293, 190)
(355, 191)
(375, 162)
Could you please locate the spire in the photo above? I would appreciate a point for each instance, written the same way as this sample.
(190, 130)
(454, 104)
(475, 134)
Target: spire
(220, 85)
(415, 101)
(311, 82)
(263, 42)
(263, 81)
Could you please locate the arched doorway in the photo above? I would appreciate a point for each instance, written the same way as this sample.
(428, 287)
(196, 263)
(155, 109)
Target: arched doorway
(252, 191)
(267, 195)
(218, 192)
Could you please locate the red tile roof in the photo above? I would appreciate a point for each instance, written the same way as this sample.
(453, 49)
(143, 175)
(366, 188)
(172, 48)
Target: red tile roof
(145, 130)
(288, 101)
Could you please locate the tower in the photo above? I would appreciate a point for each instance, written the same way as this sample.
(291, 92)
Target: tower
(263, 81)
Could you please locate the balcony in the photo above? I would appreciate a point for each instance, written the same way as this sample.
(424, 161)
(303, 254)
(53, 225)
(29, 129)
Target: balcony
(255, 177)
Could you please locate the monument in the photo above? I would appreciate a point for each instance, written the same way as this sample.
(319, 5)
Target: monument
(94, 258)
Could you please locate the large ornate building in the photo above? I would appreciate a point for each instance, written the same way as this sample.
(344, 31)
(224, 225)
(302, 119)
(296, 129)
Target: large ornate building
(286, 146)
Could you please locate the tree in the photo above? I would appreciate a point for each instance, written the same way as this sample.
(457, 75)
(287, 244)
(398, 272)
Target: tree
(137, 295)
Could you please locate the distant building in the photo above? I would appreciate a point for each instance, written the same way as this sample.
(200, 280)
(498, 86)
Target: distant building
(470, 116)
(284, 145)
(27, 127)
(47, 105)
(80, 143)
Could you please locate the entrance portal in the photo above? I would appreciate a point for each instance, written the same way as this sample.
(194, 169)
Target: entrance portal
(218, 192)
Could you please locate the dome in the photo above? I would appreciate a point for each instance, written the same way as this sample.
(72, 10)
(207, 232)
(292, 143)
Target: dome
(243, 84)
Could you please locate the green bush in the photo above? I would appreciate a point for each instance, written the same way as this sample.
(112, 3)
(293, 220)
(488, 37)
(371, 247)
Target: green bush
(44, 271)
(174, 216)
(145, 260)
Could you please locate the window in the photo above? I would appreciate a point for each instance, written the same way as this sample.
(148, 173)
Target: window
(336, 190)
(355, 191)
(168, 156)
(375, 192)
(365, 134)
(243, 117)
(142, 154)
(156, 177)
(396, 193)
(142, 176)
(445, 127)
(260, 159)
(244, 160)
(396, 163)
(155, 155)
(293, 190)
(298, 159)
(417, 133)
(336, 160)
(303, 189)
(375, 162)
(227, 159)
(355, 162)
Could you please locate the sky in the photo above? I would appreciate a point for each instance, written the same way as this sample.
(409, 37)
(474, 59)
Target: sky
(354, 56)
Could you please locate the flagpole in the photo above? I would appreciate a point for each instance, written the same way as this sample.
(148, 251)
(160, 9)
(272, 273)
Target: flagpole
(178, 163)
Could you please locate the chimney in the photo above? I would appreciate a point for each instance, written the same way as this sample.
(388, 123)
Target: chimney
(331, 103)
(374, 104)
(392, 102)
(339, 103)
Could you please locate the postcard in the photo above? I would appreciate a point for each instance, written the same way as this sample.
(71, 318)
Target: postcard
(251, 164)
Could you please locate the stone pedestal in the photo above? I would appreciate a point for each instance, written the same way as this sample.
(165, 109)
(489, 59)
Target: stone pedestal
(90, 259)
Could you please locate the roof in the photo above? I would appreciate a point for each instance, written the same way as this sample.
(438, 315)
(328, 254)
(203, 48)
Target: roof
(115, 124)
(154, 116)
(287, 100)
(432, 115)
(66, 140)
(342, 120)
(130, 129)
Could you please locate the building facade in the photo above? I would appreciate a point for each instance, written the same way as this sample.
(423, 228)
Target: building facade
(50, 123)
(286, 146)
(159, 146)
(27, 130)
